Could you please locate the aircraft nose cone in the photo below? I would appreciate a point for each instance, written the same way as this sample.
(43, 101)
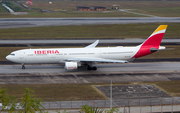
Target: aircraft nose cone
(7, 57)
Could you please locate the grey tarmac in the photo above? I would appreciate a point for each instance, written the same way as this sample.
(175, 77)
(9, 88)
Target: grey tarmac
(39, 22)
(102, 68)
(87, 41)
(56, 74)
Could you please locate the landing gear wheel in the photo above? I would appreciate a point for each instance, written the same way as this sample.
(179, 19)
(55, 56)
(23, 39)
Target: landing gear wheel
(94, 68)
(23, 67)
(89, 68)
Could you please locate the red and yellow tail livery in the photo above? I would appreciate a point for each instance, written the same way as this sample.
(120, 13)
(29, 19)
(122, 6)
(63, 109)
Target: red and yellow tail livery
(152, 44)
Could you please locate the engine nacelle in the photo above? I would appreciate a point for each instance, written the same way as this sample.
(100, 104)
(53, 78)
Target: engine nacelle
(71, 65)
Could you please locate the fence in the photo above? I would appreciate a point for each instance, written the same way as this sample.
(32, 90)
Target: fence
(127, 105)
(115, 103)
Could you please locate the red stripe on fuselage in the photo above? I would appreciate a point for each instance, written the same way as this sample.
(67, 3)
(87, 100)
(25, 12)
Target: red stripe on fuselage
(152, 42)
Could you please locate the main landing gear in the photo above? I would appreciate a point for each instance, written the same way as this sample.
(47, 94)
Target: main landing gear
(91, 68)
(23, 67)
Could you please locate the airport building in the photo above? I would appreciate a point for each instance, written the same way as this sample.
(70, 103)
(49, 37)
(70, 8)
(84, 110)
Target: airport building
(82, 8)
(98, 8)
(93, 8)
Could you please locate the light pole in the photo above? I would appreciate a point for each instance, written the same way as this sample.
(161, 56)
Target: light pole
(161, 103)
(111, 95)
(71, 102)
(150, 103)
(60, 102)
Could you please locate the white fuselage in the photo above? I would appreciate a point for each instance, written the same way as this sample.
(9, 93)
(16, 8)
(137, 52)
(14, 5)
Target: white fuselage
(57, 55)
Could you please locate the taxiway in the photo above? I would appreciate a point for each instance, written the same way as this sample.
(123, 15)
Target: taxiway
(55, 74)
(102, 68)
(39, 22)
(86, 42)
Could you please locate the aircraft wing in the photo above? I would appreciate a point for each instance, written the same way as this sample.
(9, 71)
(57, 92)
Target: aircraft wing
(95, 60)
(93, 45)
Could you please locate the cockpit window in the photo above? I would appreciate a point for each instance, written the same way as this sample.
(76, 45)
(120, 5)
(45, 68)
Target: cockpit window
(12, 54)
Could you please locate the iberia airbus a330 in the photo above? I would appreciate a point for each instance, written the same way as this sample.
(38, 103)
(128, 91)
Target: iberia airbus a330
(87, 56)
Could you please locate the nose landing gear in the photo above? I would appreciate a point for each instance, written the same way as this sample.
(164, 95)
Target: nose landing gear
(23, 67)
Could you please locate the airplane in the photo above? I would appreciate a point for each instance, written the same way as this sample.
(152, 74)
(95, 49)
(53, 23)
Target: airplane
(73, 58)
(29, 2)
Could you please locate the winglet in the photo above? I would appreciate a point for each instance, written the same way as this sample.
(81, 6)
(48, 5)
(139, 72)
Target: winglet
(93, 45)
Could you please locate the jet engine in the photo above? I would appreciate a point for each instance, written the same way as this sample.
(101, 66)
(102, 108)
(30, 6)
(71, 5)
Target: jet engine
(71, 65)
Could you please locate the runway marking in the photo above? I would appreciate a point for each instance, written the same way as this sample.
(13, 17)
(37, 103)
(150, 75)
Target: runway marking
(127, 11)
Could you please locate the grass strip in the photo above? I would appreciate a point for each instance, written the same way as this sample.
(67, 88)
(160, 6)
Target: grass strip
(67, 14)
(90, 31)
(80, 91)
(56, 91)
(68, 9)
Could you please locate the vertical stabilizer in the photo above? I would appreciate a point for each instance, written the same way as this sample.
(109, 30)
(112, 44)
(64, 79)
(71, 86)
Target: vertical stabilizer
(156, 37)
(152, 44)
